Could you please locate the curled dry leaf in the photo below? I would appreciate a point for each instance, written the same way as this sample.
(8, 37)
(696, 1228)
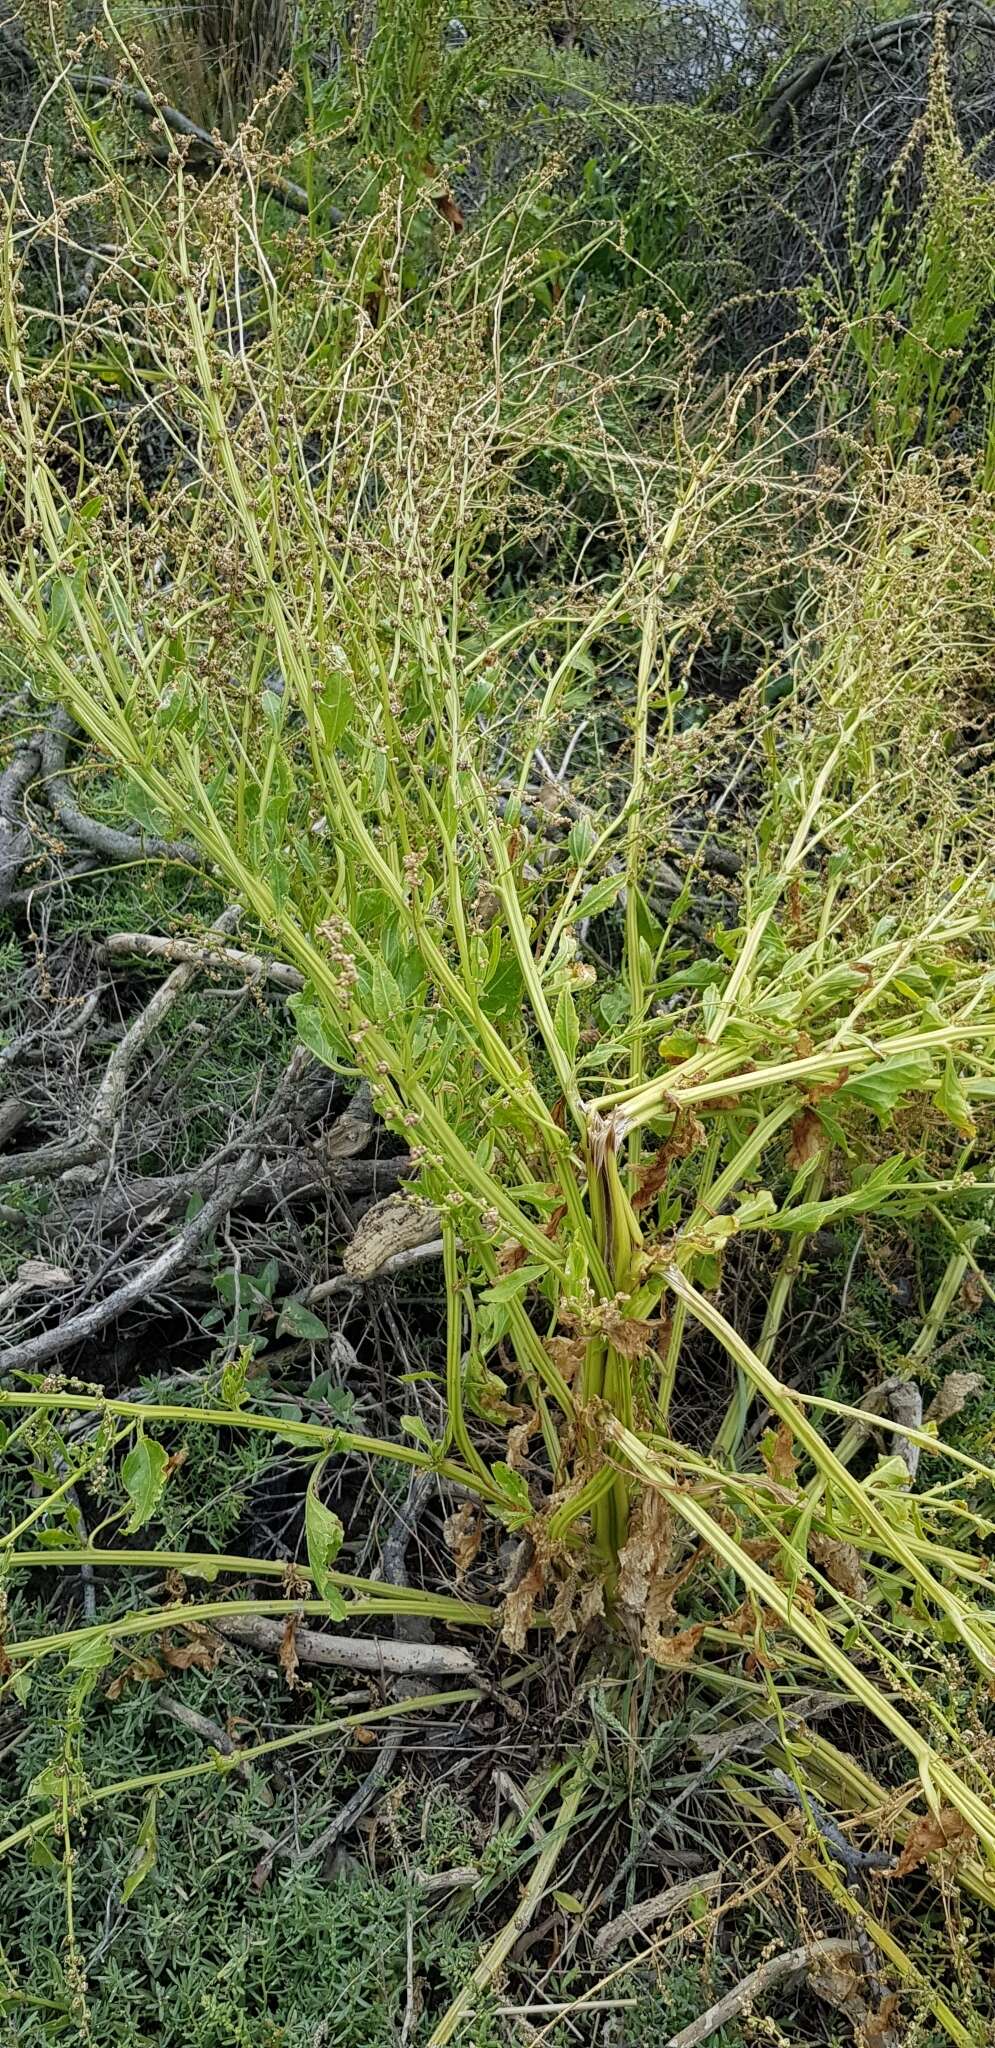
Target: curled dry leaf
(200, 1652)
(685, 1137)
(952, 1395)
(674, 1650)
(841, 1564)
(287, 1657)
(578, 1602)
(646, 1555)
(517, 1448)
(463, 1531)
(630, 1335)
(510, 1256)
(806, 1140)
(777, 1449)
(930, 1836)
(141, 1671)
(567, 1354)
(520, 1605)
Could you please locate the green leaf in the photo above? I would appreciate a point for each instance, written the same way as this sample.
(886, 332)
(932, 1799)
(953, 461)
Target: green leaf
(388, 1002)
(598, 898)
(334, 707)
(323, 1534)
(884, 1085)
(569, 1902)
(951, 1098)
(234, 1379)
(502, 996)
(413, 1425)
(517, 1506)
(295, 1320)
(319, 1032)
(143, 1474)
(567, 1024)
(512, 1284)
(91, 1654)
(143, 1854)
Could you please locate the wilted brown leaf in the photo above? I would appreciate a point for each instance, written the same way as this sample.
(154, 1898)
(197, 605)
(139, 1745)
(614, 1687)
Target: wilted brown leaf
(520, 1605)
(932, 1834)
(199, 1653)
(287, 1657)
(463, 1531)
(882, 2029)
(517, 1442)
(567, 1354)
(630, 1335)
(509, 1256)
(685, 1137)
(646, 1554)
(677, 1649)
(841, 1564)
(806, 1140)
(972, 1293)
(577, 1603)
(777, 1448)
(142, 1670)
(952, 1395)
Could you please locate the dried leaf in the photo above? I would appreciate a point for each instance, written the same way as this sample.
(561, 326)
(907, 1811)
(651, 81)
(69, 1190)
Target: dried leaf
(287, 1657)
(777, 1448)
(841, 1564)
(675, 1650)
(198, 1653)
(463, 1532)
(517, 1452)
(882, 2029)
(931, 1835)
(142, 1670)
(952, 1395)
(972, 1293)
(520, 1605)
(646, 1554)
(578, 1602)
(510, 1255)
(806, 1140)
(685, 1137)
(630, 1336)
(567, 1354)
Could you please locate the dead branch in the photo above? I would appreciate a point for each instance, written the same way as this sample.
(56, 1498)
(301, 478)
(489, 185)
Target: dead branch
(649, 1911)
(103, 839)
(16, 843)
(105, 1110)
(399, 1262)
(148, 946)
(804, 82)
(301, 1176)
(787, 1968)
(377, 1655)
(141, 1284)
(82, 1150)
(95, 85)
